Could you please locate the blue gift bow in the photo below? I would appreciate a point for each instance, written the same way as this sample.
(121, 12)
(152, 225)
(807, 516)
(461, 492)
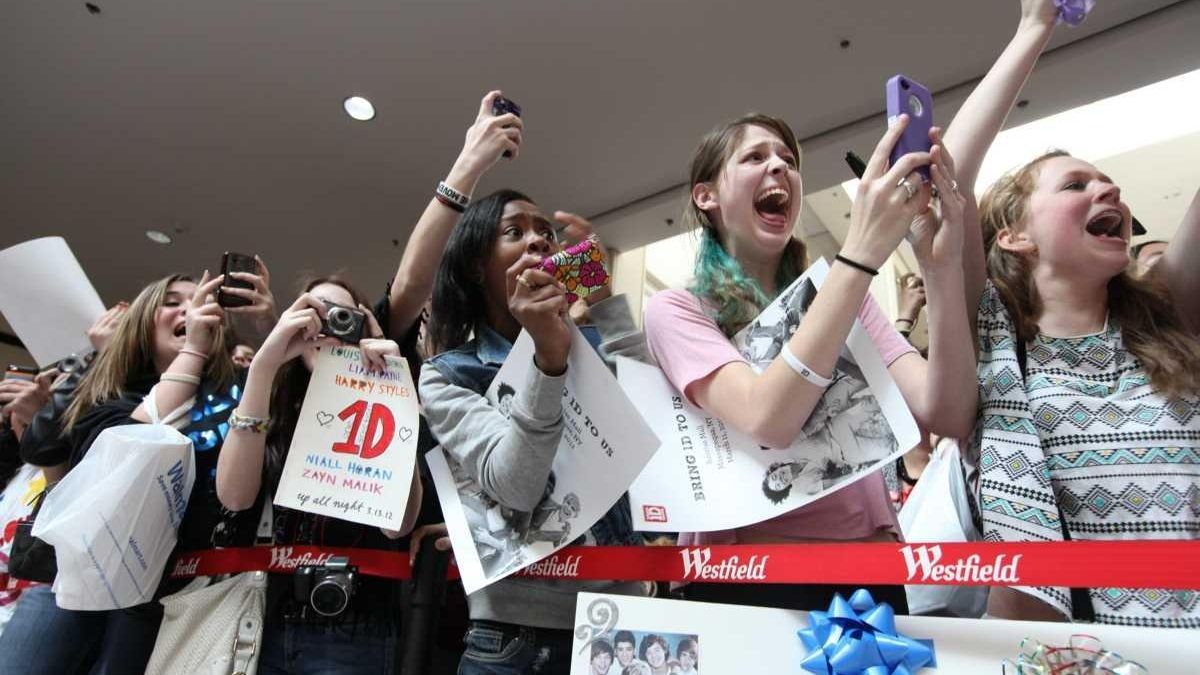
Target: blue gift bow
(1073, 12)
(859, 638)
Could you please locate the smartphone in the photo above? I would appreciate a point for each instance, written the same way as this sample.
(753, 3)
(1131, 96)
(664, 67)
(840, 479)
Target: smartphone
(581, 268)
(906, 95)
(16, 372)
(235, 262)
(503, 106)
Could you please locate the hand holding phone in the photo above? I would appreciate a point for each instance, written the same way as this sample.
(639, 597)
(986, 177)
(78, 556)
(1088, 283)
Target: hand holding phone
(236, 262)
(504, 106)
(907, 96)
(582, 268)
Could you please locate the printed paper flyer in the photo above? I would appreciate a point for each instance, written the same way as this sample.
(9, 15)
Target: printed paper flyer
(605, 444)
(354, 450)
(709, 476)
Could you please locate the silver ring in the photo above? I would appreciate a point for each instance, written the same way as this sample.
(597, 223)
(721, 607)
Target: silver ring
(954, 185)
(909, 190)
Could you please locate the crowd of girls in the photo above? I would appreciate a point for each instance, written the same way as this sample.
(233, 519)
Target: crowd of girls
(1065, 370)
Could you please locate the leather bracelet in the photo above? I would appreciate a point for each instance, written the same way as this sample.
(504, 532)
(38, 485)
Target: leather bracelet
(802, 370)
(856, 265)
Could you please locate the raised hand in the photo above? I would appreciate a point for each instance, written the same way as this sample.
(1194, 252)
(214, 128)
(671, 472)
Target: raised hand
(103, 329)
(938, 233)
(1039, 12)
(887, 201)
(298, 329)
(204, 315)
(489, 138)
(539, 304)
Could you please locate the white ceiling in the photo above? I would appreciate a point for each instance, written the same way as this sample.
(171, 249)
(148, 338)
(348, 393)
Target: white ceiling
(221, 123)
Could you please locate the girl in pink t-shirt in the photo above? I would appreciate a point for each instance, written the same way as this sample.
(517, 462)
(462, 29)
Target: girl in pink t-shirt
(746, 196)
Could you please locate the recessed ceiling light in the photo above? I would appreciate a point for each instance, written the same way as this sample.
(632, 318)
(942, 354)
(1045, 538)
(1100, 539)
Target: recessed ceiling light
(359, 108)
(158, 237)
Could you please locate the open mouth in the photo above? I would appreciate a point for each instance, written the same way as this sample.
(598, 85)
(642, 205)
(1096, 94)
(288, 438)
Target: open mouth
(180, 330)
(1109, 224)
(771, 205)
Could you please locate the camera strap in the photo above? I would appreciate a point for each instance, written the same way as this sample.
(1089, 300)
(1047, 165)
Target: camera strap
(286, 559)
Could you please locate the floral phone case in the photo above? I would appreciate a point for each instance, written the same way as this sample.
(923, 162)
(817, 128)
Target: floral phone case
(581, 268)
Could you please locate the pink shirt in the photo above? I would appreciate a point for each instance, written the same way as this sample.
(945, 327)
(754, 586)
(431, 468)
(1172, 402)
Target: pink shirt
(689, 346)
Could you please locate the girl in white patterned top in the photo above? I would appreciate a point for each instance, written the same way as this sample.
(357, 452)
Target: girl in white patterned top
(1089, 424)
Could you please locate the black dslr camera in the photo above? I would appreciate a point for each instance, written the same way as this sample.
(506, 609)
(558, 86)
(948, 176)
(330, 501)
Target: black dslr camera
(326, 588)
(344, 323)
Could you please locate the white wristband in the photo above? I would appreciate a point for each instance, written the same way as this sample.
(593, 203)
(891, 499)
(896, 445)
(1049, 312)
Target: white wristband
(803, 370)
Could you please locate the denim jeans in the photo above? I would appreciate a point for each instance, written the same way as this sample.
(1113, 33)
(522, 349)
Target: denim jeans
(504, 649)
(308, 648)
(42, 639)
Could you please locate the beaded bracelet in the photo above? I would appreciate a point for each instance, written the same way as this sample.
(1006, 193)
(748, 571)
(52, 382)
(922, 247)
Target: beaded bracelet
(255, 425)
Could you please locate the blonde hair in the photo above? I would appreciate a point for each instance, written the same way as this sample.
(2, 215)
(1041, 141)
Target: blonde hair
(1150, 326)
(720, 279)
(131, 351)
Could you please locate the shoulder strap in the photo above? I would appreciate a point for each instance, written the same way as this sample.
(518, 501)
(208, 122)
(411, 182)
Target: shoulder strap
(1081, 599)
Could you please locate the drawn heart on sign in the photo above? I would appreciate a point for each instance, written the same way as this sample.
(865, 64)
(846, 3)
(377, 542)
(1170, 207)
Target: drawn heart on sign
(324, 418)
(405, 433)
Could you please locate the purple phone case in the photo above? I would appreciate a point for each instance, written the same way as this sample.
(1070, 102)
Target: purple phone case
(906, 95)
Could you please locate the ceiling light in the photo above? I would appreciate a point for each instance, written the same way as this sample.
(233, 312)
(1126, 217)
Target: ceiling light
(359, 108)
(158, 237)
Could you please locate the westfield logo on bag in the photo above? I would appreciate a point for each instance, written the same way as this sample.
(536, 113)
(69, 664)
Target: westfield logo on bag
(554, 567)
(698, 566)
(282, 558)
(970, 570)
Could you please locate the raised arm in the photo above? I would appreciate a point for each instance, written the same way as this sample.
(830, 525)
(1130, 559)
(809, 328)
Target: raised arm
(1182, 262)
(487, 139)
(980, 119)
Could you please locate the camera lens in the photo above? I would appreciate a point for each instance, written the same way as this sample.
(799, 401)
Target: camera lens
(340, 319)
(914, 105)
(330, 597)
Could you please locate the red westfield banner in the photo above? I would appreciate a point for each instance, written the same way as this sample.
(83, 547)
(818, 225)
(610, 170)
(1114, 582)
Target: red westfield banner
(1117, 564)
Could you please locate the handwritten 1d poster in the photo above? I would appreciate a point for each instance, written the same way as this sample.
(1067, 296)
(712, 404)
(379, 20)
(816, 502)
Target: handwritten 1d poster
(709, 476)
(605, 443)
(355, 447)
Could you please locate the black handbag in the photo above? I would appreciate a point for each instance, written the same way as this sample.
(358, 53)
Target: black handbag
(31, 558)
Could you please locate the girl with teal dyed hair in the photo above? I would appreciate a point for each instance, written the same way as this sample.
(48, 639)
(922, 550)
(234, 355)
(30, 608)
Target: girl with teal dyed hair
(746, 195)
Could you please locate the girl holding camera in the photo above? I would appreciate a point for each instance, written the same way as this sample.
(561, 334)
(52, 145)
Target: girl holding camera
(746, 194)
(168, 350)
(1060, 310)
(488, 289)
(365, 639)
(300, 637)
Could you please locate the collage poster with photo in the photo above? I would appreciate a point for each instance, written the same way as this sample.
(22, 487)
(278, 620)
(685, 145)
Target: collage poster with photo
(714, 638)
(711, 477)
(605, 444)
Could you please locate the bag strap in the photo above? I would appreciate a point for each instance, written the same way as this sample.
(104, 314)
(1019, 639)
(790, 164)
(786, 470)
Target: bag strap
(150, 405)
(1081, 600)
(245, 641)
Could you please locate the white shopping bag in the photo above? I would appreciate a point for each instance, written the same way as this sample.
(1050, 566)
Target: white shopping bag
(937, 510)
(114, 519)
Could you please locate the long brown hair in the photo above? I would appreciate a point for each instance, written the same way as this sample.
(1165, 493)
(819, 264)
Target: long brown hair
(1141, 306)
(130, 352)
(720, 279)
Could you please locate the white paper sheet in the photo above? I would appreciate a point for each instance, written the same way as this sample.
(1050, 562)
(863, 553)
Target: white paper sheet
(355, 447)
(737, 639)
(47, 299)
(709, 476)
(605, 444)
